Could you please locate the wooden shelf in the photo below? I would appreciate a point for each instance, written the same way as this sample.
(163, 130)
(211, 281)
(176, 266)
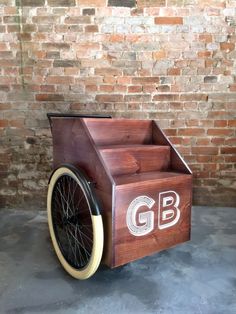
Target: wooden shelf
(148, 177)
(127, 159)
(130, 159)
(119, 131)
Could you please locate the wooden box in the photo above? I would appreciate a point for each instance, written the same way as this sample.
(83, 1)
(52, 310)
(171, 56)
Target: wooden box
(144, 186)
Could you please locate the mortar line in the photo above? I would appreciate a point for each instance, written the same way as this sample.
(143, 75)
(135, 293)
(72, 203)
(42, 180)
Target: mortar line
(20, 21)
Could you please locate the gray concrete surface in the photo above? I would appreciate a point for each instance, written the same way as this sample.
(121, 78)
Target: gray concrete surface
(195, 277)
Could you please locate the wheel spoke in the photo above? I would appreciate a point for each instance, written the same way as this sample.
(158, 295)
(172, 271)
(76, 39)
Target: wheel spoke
(72, 221)
(79, 243)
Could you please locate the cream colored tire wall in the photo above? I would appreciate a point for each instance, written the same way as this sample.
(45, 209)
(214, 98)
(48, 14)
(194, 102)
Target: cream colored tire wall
(98, 237)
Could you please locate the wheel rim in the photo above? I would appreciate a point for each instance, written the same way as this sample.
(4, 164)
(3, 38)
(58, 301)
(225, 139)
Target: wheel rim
(71, 218)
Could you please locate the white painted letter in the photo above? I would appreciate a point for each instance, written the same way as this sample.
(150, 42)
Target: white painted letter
(145, 220)
(169, 212)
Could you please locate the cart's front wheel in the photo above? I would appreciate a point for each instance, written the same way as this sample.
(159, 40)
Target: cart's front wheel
(75, 222)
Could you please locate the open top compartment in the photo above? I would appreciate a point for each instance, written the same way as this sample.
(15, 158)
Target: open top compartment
(125, 159)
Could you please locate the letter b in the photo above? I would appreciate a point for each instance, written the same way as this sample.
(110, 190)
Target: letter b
(169, 213)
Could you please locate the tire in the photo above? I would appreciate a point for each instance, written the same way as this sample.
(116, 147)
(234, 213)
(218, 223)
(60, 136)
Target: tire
(75, 222)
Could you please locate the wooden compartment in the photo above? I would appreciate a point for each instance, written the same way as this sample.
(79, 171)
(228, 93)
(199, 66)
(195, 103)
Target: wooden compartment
(138, 176)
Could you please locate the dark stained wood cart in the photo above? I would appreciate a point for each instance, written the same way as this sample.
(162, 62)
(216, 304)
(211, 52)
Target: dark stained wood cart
(119, 191)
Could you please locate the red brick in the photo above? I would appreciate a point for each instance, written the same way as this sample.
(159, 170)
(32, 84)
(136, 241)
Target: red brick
(203, 158)
(158, 55)
(220, 123)
(124, 80)
(228, 150)
(59, 3)
(106, 88)
(17, 123)
(169, 20)
(173, 71)
(204, 150)
(67, 80)
(232, 123)
(204, 54)
(163, 88)
(170, 132)
(93, 3)
(91, 28)
(218, 132)
(96, 63)
(49, 97)
(134, 89)
(192, 122)
(78, 20)
(109, 98)
(203, 141)
(145, 80)
(218, 140)
(137, 97)
(175, 140)
(232, 87)
(120, 88)
(47, 88)
(151, 3)
(108, 72)
(227, 46)
(230, 158)
(149, 88)
(115, 38)
(191, 132)
(91, 88)
(207, 38)
(109, 79)
(194, 97)
(230, 141)
(3, 123)
(166, 97)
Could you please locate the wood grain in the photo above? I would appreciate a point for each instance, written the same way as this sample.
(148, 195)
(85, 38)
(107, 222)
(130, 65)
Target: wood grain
(145, 178)
(129, 247)
(73, 144)
(126, 159)
(177, 162)
(119, 131)
(130, 159)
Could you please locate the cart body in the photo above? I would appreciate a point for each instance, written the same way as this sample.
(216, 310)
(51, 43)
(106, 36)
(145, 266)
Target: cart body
(143, 185)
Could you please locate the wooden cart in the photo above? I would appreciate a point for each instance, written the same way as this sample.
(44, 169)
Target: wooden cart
(119, 191)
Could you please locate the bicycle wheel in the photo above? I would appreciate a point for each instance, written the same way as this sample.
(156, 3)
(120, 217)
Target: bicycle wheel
(75, 222)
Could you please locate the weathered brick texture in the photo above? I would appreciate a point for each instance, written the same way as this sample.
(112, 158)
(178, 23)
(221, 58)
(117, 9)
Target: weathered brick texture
(169, 60)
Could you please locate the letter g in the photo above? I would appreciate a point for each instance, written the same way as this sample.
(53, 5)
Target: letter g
(145, 222)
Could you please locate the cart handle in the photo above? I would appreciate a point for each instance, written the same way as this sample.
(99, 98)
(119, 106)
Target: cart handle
(75, 115)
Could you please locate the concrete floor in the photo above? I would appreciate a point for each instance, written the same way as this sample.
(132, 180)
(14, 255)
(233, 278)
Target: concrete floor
(195, 277)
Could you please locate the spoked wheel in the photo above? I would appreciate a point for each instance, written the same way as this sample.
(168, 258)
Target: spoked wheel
(75, 223)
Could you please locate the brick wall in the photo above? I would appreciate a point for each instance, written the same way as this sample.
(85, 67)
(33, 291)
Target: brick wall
(169, 60)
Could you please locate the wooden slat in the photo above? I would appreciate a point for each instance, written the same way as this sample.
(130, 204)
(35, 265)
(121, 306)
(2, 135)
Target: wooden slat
(72, 145)
(177, 162)
(130, 159)
(129, 247)
(141, 179)
(119, 131)
(81, 142)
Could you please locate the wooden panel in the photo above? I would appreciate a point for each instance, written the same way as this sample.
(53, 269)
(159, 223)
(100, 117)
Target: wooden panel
(120, 131)
(177, 162)
(140, 179)
(129, 247)
(71, 144)
(129, 159)
(77, 141)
